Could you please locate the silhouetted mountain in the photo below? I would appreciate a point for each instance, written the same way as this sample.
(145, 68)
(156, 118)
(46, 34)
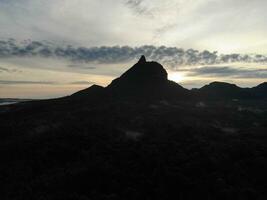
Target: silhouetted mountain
(145, 80)
(149, 81)
(142, 74)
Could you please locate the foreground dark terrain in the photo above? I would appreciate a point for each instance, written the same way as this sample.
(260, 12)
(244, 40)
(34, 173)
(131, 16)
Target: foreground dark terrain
(142, 137)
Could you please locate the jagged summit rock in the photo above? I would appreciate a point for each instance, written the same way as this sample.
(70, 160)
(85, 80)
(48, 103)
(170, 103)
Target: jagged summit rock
(142, 59)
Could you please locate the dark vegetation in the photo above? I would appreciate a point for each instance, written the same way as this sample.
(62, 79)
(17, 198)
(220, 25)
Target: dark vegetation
(139, 138)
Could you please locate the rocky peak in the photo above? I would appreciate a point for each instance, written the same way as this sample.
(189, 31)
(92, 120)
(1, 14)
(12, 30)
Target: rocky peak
(141, 74)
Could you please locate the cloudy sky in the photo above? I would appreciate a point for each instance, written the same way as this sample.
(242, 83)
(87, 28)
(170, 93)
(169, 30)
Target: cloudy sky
(51, 48)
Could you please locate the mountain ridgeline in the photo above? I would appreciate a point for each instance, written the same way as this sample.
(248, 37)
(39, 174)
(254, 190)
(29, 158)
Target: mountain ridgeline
(141, 137)
(149, 81)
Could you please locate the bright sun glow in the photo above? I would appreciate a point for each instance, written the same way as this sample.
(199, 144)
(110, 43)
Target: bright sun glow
(176, 76)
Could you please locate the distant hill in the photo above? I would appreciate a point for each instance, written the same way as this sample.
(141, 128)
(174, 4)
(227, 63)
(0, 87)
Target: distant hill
(146, 80)
(222, 90)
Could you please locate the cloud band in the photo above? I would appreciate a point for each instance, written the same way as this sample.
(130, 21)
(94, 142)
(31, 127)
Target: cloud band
(172, 56)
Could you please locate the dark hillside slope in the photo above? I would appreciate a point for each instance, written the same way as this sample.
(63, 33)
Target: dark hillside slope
(260, 91)
(141, 137)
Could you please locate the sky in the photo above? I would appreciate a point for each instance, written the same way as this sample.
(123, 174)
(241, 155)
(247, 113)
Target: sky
(52, 48)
